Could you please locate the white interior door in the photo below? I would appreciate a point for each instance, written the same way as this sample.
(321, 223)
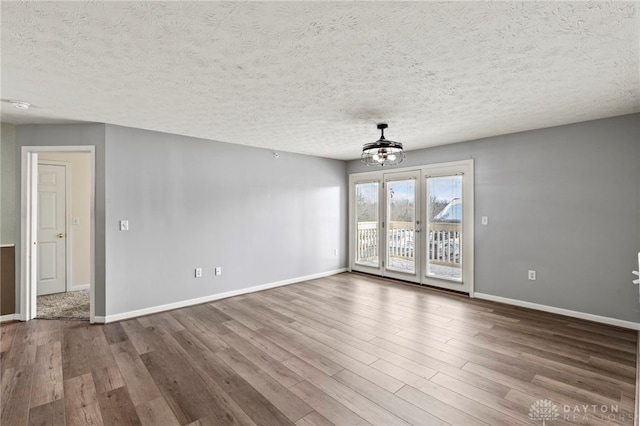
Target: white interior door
(51, 268)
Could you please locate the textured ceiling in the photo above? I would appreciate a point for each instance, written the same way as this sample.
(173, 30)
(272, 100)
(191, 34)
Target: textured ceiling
(315, 77)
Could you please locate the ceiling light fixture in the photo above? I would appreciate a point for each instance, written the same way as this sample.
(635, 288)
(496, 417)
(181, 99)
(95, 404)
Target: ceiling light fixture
(20, 104)
(382, 152)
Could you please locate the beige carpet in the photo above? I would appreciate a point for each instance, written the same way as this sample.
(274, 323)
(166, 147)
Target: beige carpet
(70, 305)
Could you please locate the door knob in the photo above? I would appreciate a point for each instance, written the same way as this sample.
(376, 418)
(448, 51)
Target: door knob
(61, 235)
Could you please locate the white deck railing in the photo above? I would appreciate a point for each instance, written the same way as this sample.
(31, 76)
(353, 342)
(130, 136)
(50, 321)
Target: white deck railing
(443, 243)
(367, 243)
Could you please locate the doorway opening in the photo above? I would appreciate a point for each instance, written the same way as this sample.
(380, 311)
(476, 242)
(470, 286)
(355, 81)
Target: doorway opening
(57, 233)
(414, 224)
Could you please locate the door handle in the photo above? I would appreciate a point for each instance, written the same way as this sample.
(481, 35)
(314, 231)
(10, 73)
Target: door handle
(61, 235)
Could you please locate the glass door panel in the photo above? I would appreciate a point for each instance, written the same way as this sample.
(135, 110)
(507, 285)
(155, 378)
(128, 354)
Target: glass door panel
(367, 224)
(444, 228)
(401, 225)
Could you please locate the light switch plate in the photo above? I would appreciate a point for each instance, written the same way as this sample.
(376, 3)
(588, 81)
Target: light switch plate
(124, 225)
(485, 220)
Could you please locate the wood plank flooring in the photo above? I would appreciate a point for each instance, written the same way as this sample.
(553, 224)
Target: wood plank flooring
(346, 350)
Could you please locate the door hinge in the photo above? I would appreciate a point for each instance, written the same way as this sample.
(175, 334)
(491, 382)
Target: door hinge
(383, 224)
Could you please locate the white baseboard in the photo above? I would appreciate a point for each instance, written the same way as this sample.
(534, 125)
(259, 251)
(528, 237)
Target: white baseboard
(575, 314)
(10, 317)
(79, 287)
(210, 298)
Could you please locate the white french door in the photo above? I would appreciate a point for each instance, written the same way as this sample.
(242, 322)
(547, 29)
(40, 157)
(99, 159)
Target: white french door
(414, 224)
(386, 224)
(447, 191)
(401, 225)
(365, 207)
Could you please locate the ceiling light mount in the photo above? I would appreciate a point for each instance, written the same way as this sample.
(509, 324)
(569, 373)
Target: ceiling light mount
(382, 152)
(20, 104)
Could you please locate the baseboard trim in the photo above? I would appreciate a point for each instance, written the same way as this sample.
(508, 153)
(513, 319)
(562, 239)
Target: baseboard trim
(567, 312)
(80, 287)
(211, 298)
(97, 320)
(10, 317)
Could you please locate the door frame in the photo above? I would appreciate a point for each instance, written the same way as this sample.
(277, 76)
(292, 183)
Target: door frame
(67, 209)
(424, 171)
(29, 223)
(448, 169)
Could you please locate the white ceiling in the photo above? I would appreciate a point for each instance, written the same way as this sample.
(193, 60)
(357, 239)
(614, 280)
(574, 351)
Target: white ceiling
(315, 77)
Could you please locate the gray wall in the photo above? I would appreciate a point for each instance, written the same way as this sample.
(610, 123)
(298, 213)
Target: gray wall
(564, 201)
(65, 135)
(198, 203)
(8, 184)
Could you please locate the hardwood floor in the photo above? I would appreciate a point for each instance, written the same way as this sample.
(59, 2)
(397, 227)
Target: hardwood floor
(347, 350)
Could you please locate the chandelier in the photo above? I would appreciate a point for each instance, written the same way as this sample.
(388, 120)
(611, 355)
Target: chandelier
(382, 152)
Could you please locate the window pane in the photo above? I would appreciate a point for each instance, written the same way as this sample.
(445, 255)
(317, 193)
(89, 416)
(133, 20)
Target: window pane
(444, 216)
(401, 208)
(367, 207)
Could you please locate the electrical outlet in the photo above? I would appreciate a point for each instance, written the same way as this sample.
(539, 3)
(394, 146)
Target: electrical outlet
(198, 272)
(532, 275)
(218, 270)
(335, 251)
